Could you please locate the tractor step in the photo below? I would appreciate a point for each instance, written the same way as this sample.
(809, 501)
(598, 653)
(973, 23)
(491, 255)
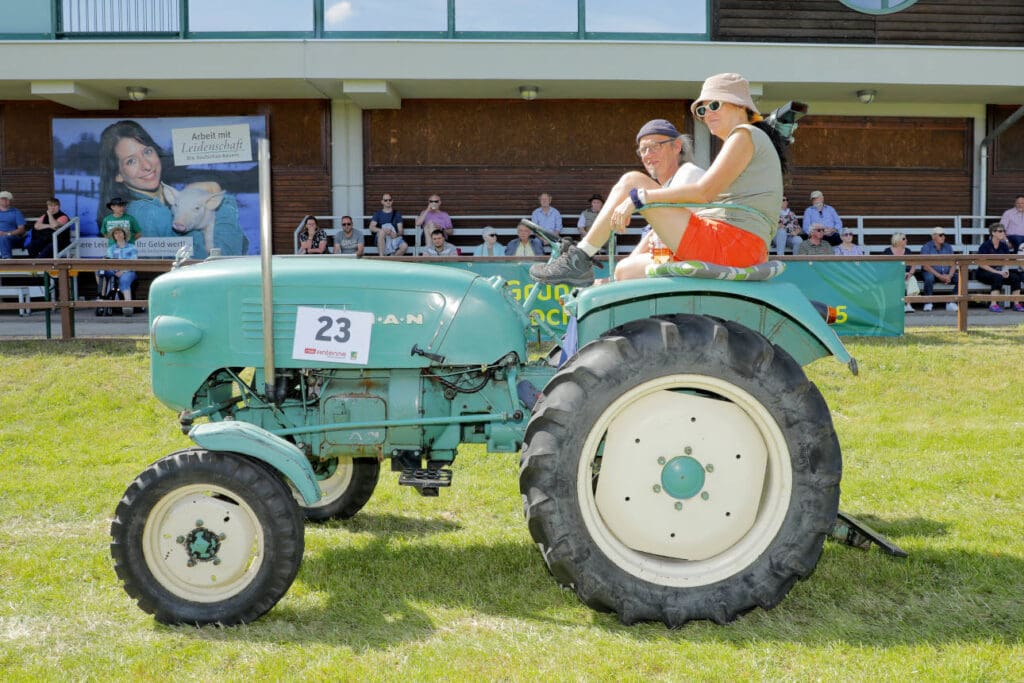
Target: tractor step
(853, 532)
(426, 481)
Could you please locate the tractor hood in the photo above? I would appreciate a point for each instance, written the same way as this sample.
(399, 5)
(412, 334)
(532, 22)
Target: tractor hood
(209, 315)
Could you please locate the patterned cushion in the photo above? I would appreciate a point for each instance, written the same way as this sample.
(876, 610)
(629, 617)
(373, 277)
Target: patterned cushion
(714, 271)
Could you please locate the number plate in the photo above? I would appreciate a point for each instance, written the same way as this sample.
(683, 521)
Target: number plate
(332, 336)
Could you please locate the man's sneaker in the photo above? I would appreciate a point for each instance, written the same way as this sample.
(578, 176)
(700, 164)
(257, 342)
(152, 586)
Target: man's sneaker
(907, 308)
(927, 307)
(952, 306)
(572, 267)
(995, 308)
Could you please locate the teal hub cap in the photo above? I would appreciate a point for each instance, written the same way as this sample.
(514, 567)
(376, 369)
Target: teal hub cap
(682, 477)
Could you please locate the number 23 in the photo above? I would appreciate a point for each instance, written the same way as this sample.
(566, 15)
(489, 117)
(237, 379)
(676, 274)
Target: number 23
(324, 333)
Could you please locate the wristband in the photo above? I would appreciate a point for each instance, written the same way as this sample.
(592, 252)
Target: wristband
(634, 194)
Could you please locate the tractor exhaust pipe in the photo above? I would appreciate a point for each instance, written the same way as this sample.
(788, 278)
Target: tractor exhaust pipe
(266, 251)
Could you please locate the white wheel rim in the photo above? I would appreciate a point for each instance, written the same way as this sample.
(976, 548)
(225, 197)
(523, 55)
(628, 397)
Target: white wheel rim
(194, 514)
(771, 513)
(333, 487)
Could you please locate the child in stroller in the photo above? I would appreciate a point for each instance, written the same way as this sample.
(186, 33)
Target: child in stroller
(117, 284)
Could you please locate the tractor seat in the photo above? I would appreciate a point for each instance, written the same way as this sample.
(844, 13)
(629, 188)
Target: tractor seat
(715, 271)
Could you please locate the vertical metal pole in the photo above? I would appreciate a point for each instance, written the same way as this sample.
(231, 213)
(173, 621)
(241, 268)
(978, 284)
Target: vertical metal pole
(266, 251)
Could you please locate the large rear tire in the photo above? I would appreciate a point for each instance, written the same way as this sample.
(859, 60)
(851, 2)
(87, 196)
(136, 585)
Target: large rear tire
(206, 538)
(680, 468)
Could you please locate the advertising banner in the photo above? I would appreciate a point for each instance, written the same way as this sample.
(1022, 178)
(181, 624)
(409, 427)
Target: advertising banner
(867, 296)
(193, 177)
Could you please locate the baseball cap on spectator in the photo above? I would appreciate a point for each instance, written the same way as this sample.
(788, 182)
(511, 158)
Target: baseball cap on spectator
(658, 127)
(115, 201)
(597, 197)
(816, 194)
(489, 231)
(6, 195)
(938, 231)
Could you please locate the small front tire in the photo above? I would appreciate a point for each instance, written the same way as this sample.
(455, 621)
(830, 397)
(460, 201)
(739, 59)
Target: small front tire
(206, 538)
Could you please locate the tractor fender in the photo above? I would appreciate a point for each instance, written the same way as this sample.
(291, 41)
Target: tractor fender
(778, 310)
(258, 443)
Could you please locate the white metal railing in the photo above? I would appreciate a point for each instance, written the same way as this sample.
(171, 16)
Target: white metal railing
(119, 16)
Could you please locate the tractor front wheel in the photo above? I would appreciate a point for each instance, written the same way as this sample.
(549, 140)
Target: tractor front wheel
(680, 468)
(346, 485)
(207, 538)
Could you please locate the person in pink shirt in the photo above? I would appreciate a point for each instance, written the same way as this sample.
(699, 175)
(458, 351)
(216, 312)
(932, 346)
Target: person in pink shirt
(1013, 221)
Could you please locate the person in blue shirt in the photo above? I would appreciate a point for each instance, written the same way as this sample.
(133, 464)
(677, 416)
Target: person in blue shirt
(12, 226)
(820, 214)
(945, 274)
(525, 243)
(121, 248)
(547, 216)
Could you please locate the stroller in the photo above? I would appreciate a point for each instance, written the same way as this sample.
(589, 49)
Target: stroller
(109, 290)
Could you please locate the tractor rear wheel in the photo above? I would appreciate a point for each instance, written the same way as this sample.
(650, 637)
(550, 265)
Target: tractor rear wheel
(678, 468)
(346, 485)
(207, 538)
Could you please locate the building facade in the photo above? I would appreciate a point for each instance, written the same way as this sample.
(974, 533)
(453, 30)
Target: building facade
(489, 103)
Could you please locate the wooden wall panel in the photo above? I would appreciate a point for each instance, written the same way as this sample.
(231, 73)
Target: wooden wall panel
(941, 22)
(497, 156)
(883, 165)
(300, 149)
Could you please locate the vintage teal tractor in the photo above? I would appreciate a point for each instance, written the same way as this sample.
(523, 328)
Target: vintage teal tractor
(679, 466)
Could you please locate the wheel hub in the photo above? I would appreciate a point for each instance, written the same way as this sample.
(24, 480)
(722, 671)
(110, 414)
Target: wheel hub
(201, 544)
(682, 477)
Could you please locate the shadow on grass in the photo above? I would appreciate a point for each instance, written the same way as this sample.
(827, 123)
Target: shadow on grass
(403, 585)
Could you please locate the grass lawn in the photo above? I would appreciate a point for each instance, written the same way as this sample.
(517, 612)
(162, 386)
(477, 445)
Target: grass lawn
(453, 588)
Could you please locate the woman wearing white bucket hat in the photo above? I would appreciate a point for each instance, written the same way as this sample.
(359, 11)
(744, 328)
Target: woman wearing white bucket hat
(744, 182)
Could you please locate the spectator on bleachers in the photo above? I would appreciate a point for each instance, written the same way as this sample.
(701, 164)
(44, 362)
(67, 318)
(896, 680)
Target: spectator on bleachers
(387, 229)
(312, 238)
(815, 245)
(117, 218)
(789, 233)
(41, 245)
(847, 247)
(899, 248)
(525, 244)
(589, 214)
(1013, 221)
(12, 226)
(820, 213)
(547, 216)
(434, 214)
(946, 274)
(998, 276)
(438, 245)
(349, 239)
(490, 246)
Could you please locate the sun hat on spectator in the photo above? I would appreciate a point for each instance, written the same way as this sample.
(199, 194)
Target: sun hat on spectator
(657, 127)
(731, 88)
(938, 230)
(816, 194)
(489, 231)
(6, 195)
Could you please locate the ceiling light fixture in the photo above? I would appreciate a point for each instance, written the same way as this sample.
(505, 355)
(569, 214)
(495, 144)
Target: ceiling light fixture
(136, 93)
(528, 92)
(866, 96)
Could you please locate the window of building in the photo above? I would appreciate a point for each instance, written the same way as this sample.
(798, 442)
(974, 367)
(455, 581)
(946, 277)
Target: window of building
(534, 16)
(878, 6)
(647, 16)
(229, 16)
(386, 15)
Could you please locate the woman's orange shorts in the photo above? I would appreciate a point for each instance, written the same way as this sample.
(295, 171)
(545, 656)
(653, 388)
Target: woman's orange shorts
(706, 239)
